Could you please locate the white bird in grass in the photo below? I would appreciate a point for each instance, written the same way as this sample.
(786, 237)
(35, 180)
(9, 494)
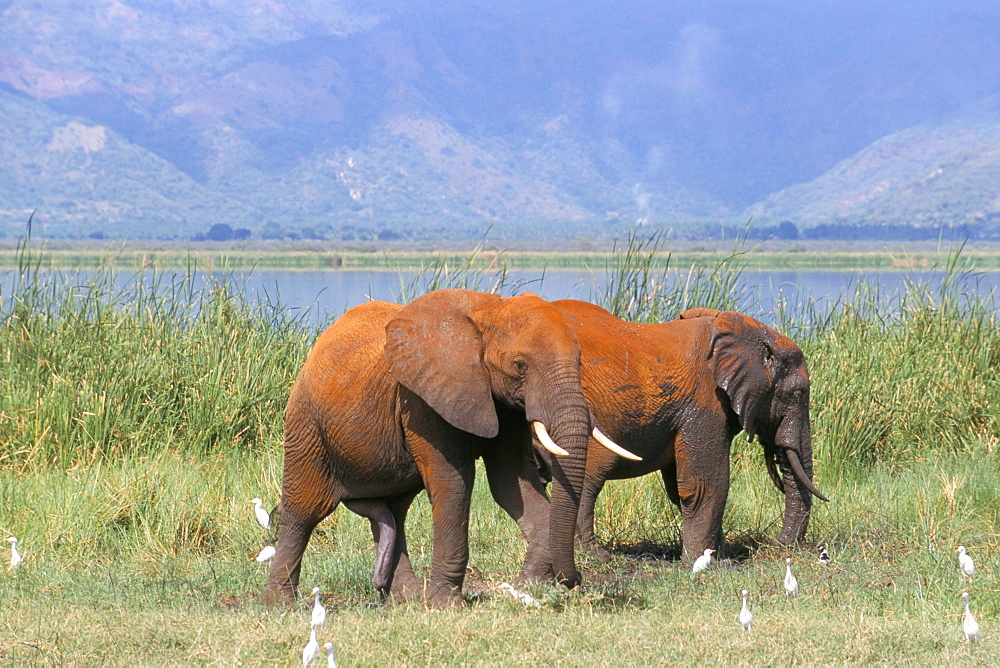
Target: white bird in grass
(331, 662)
(965, 563)
(263, 518)
(702, 562)
(15, 556)
(969, 625)
(522, 596)
(318, 613)
(311, 651)
(791, 584)
(266, 554)
(746, 617)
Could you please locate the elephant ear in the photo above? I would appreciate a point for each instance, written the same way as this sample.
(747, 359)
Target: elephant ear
(435, 350)
(745, 365)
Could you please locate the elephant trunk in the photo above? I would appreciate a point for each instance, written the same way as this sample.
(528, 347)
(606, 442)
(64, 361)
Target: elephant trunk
(564, 412)
(794, 454)
(567, 485)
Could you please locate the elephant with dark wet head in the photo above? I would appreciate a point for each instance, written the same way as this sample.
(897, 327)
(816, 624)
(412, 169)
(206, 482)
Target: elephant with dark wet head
(675, 394)
(395, 399)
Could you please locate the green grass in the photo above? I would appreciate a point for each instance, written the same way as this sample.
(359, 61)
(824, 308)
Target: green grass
(137, 423)
(152, 562)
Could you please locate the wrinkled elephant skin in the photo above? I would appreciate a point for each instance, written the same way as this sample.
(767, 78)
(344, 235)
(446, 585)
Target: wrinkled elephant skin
(394, 399)
(676, 393)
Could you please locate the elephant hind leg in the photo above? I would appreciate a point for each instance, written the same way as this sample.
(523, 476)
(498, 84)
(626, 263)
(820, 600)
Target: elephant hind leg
(383, 525)
(308, 495)
(283, 578)
(405, 585)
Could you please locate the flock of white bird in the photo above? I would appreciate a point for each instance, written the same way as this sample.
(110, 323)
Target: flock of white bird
(969, 624)
(264, 520)
(312, 649)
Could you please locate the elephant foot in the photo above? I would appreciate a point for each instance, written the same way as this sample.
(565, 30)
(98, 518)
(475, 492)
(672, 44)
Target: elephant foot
(594, 549)
(571, 581)
(276, 596)
(535, 576)
(537, 568)
(442, 596)
(405, 588)
(404, 595)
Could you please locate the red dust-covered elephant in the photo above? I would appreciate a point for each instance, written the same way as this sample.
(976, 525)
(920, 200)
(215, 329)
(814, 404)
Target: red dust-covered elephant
(675, 394)
(394, 399)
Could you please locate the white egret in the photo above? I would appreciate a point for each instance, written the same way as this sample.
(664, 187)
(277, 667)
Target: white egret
(969, 624)
(266, 554)
(965, 563)
(331, 662)
(824, 556)
(703, 562)
(263, 518)
(746, 617)
(311, 651)
(791, 584)
(522, 596)
(319, 612)
(15, 556)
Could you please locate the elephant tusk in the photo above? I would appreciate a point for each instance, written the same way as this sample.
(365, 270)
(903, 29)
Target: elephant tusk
(772, 470)
(543, 437)
(793, 460)
(614, 447)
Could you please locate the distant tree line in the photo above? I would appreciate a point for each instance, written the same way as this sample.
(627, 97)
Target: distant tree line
(223, 232)
(987, 230)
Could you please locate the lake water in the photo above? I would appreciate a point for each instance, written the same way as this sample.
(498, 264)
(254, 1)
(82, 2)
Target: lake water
(330, 293)
(325, 295)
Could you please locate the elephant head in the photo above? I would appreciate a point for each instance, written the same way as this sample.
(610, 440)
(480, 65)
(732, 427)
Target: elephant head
(765, 377)
(460, 351)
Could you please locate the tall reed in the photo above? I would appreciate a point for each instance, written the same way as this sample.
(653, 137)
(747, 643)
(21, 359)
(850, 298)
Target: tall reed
(99, 365)
(900, 376)
(642, 286)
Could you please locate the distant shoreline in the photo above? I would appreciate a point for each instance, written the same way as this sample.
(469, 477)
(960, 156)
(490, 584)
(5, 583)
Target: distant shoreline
(60, 254)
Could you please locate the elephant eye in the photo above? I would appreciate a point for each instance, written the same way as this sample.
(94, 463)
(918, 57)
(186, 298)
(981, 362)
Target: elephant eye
(520, 366)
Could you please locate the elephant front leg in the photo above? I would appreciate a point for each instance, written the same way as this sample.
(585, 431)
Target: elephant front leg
(702, 492)
(517, 488)
(448, 470)
(450, 494)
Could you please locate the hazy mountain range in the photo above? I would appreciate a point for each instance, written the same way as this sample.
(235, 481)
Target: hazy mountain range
(134, 118)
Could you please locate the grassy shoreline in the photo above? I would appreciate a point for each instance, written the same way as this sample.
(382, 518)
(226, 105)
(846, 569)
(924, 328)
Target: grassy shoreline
(321, 258)
(137, 422)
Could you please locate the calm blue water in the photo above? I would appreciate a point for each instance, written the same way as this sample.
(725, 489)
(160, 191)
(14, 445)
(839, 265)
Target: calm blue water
(322, 296)
(330, 293)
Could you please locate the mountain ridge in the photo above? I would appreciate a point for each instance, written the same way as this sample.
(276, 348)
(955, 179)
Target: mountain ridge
(346, 119)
